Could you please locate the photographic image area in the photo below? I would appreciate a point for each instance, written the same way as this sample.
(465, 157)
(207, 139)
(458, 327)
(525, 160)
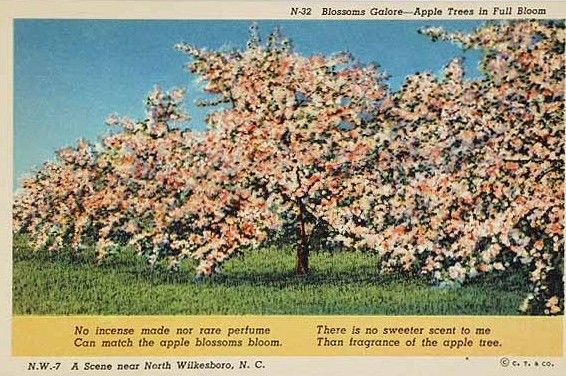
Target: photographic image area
(284, 167)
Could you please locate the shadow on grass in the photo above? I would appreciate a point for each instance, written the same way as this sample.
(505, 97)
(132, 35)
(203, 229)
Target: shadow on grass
(282, 278)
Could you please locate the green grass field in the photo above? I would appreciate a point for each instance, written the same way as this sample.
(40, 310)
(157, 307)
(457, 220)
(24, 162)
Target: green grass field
(262, 282)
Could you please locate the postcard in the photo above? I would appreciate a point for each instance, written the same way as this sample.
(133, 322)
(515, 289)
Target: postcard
(283, 188)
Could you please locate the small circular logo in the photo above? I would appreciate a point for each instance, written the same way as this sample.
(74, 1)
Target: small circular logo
(504, 362)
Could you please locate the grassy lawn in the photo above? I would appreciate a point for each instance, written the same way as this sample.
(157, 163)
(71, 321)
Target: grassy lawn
(262, 282)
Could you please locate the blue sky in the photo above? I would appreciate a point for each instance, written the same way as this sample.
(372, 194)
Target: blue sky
(69, 75)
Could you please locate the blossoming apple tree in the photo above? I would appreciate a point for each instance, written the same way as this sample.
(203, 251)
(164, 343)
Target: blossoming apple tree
(469, 177)
(297, 128)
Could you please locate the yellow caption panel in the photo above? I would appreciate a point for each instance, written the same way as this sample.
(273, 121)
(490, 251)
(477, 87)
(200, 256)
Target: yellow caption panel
(286, 335)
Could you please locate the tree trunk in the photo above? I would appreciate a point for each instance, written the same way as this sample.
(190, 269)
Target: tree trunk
(302, 267)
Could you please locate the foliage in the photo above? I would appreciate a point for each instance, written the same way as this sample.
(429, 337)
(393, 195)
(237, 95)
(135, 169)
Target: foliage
(447, 178)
